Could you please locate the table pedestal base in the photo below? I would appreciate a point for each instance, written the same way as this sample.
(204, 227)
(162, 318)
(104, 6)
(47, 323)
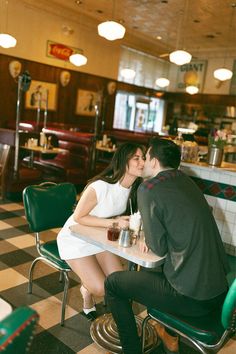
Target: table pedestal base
(104, 333)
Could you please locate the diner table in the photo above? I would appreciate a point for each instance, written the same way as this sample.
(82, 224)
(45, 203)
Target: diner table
(98, 237)
(103, 330)
(40, 150)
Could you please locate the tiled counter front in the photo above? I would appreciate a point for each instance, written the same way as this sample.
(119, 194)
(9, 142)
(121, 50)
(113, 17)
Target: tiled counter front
(219, 188)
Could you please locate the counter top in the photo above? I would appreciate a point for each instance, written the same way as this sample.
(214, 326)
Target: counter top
(225, 166)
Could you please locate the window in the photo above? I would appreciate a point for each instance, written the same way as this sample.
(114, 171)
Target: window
(138, 113)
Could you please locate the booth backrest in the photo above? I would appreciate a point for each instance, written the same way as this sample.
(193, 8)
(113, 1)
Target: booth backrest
(76, 157)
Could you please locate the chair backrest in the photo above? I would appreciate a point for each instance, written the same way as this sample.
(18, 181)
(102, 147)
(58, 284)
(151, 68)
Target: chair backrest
(229, 307)
(16, 331)
(48, 206)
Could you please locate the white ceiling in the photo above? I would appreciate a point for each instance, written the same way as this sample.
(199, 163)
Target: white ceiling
(205, 26)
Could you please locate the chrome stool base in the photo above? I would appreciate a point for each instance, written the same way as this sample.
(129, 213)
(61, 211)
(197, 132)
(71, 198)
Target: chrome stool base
(104, 333)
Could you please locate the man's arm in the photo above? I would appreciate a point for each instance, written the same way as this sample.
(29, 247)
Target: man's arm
(155, 233)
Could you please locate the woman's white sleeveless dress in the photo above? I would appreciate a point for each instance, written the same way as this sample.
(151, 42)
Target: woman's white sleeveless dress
(112, 200)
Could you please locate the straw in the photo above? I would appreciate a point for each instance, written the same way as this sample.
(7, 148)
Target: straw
(130, 205)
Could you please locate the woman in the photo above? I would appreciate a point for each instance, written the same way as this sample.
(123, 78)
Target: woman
(105, 200)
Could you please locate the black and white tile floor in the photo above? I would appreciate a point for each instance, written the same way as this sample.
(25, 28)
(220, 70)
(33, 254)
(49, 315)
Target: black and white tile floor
(17, 250)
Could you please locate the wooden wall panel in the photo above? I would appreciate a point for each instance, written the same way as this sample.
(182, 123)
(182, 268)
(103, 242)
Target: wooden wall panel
(66, 96)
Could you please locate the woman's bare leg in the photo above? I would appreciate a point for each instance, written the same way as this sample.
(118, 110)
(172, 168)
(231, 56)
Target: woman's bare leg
(109, 262)
(90, 273)
(92, 270)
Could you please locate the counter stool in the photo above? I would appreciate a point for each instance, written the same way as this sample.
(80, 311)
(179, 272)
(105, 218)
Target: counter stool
(208, 333)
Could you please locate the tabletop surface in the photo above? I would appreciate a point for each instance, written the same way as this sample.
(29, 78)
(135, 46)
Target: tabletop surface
(42, 149)
(104, 148)
(98, 237)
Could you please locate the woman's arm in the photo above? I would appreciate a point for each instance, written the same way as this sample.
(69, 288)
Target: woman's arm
(86, 203)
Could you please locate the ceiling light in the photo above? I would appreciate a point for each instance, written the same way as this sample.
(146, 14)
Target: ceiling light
(78, 59)
(162, 82)
(223, 74)
(180, 57)
(7, 41)
(192, 90)
(128, 73)
(111, 30)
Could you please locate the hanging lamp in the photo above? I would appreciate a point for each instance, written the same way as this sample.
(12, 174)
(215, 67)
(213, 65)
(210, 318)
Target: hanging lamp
(192, 90)
(223, 73)
(162, 82)
(180, 56)
(6, 39)
(78, 59)
(128, 73)
(111, 30)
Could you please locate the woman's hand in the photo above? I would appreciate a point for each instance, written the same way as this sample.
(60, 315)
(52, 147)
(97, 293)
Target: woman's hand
(123, 221)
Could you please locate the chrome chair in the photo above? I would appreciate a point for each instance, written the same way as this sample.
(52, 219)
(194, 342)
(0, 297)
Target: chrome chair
(207, 334)
(17, 330)
(48, 206)
(4, 155)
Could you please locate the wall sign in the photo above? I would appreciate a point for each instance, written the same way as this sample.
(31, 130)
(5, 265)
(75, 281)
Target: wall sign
(60, 51)
(192, 74)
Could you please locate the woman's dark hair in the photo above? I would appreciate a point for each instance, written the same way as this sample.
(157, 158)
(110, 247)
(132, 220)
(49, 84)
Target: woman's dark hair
(115, 171)
(166, 151)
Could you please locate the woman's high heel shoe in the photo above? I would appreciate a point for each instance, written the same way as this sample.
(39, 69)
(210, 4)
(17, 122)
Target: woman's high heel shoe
(89, 309)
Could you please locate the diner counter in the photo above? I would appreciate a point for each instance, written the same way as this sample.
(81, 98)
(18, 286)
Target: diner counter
(224, 168)
(218, 185)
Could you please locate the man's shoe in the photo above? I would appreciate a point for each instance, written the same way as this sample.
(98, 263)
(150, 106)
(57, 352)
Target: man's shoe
(170, 343)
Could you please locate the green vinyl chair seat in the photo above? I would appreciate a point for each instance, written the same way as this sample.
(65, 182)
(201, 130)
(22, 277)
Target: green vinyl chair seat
(207, 329)
(50, 251)
(17, 330)
(48, 206)
(208, 333)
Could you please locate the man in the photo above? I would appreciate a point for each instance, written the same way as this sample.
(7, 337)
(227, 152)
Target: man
(178, 223)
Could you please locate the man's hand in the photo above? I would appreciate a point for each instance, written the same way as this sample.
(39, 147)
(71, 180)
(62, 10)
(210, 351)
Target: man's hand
(143, 247)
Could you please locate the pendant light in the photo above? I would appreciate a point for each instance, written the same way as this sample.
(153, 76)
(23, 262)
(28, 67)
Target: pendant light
(6, 40)
(223, 73)
(111, 30)
(192, 90)
(127, 70)
(127, 73)
(78, 59)
(180, 56)
(164, 81)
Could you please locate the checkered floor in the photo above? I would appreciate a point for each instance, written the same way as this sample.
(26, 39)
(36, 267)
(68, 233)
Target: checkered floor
(17, 251)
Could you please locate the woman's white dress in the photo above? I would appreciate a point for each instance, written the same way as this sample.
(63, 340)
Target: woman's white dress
(112, 200)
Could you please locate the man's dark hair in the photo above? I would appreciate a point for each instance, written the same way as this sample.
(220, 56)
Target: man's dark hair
(166, 151)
